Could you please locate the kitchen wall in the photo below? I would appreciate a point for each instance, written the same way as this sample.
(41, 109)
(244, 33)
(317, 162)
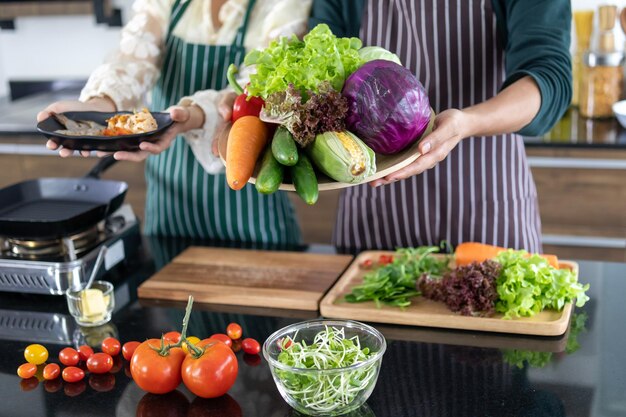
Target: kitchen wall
(70, 47)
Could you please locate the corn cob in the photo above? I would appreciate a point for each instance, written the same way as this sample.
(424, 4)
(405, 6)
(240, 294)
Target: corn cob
(342, 156)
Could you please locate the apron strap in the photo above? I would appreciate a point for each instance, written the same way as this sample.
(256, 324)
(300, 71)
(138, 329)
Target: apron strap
(241, 32)
(179, 7)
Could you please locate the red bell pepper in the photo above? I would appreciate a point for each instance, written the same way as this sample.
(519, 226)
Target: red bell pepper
(244, 105)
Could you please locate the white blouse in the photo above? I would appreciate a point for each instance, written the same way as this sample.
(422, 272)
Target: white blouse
(131, 71)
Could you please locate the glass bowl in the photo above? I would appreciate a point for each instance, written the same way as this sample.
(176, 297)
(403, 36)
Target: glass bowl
(92, 309)
(326, 392)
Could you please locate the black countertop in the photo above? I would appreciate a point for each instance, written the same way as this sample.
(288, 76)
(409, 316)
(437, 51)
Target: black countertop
(425, 372)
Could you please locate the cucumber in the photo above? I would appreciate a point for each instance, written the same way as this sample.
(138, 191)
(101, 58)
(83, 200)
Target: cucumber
(270, 175)
(284, 147)
(305, 180)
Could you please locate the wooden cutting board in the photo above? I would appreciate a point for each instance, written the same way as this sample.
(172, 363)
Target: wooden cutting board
(251, 278)
(423, 312)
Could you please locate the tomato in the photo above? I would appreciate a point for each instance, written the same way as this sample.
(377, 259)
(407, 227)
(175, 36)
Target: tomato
(102, 382)
(222, 338)
(172, 404)
(288, 343)
(74, 389)
(367, 263)
(36, 354)
(29, 384)
(128, 349)
(53, 385)
(385, 259)
(215, 407)
(155, 373)
(171, 337)
(236, 347)
(233, 330)
(191, 339)
(51, 371)
(84, 352)
(72, 374)
(213, 373)
(251, 346)
(100, 363)
(111, 346)
(251, 360)
(127, 370)
(69, 356)
(26, 370)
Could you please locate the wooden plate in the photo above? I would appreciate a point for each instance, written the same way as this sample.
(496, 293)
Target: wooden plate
(428, 313)
(385, 164)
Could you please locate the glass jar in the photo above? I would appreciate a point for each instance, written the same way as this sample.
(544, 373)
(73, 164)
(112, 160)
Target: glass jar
(602, 83)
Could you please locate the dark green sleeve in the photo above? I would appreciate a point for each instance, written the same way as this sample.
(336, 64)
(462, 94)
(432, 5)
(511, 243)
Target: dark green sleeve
(537, 40)
(342, 16)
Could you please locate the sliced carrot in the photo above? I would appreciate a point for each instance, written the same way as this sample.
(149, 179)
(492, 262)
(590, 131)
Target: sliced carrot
(469, 252)
(246, 140)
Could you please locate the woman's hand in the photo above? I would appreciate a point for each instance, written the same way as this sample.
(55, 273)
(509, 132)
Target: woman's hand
(185, 118)
(103, 104)
(449, 128)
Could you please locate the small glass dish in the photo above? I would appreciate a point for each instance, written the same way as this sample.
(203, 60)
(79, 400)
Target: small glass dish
(301, 387)
(92, 307)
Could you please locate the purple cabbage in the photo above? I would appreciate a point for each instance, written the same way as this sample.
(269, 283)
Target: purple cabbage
(388, 107)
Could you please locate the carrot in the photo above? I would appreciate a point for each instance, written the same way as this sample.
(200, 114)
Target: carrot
(246, 140)
(469, 252)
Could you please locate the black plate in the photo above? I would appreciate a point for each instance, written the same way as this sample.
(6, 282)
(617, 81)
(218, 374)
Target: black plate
(101, 143)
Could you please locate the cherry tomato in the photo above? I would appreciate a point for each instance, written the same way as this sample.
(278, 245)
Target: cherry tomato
(212, 374)
(251, 346)
(233, 330)
(100, 363)
(53, 385)
(385, 259)
(84, 352)
(72, 374)
(367, 263)
(118, 363)
(128, 349)
(171, 337)
(51, 371)
(155, 373)
(127, 370)
(111, 346)
(26, 370)
(74, 389)
(172, 404)
(102, 382)
(215, 407)
(236, 347)
(69, 356)
(288, 343)
(29, 384)
(222, 338)
(36, 354)
(191, 339)
(251, 360)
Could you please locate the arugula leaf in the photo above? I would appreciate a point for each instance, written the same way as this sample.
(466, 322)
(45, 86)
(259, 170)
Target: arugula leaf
(395, 283)
(529, 284)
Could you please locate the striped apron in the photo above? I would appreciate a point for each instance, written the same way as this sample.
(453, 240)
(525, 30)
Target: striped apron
(483, 191)
(182, 199)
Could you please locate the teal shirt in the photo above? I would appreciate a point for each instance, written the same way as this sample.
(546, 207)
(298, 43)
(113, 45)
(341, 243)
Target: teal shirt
(536, 39)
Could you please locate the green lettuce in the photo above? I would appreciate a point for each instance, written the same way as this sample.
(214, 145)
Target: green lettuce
(320, 56)
(529, 284)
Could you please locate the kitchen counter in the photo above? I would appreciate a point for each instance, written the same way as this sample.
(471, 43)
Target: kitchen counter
(425, 372)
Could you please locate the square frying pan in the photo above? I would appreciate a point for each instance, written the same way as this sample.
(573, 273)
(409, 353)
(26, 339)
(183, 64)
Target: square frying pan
(52, 208)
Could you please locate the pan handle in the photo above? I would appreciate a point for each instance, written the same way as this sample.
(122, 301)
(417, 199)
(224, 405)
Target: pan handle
(102, 165)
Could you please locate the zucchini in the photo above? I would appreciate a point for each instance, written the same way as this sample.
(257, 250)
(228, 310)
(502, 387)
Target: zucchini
(284, 147)
(305, 180)
(270, 175)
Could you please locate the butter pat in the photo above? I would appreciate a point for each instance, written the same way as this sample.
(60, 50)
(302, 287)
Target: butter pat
(93, 305)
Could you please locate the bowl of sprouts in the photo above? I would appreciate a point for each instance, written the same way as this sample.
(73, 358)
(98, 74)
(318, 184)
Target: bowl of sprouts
(325, 367)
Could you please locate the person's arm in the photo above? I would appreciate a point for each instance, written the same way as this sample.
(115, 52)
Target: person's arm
(534, 96)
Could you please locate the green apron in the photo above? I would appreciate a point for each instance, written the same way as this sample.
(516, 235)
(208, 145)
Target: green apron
(182, 198)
